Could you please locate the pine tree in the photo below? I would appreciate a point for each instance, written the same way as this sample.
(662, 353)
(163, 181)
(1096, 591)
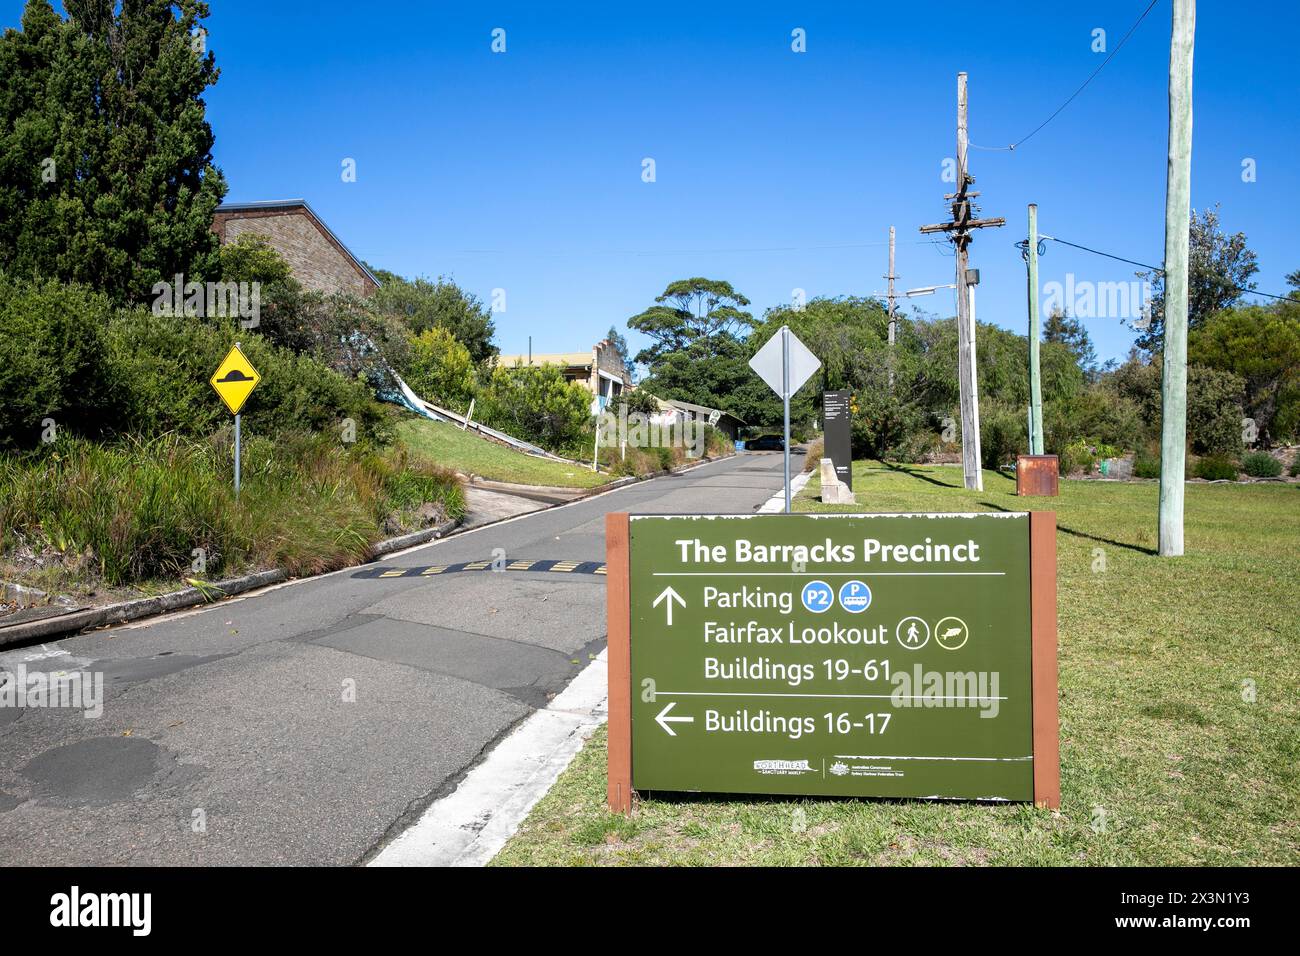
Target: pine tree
(107, 176)
(1059, 327)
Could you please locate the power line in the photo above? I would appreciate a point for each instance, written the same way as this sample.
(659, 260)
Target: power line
(1093, 76)
(676, 252)
(1144, 265)
(1098, 252)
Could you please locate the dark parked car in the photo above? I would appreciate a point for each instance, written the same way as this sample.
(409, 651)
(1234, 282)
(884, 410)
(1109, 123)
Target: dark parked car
(765, 443)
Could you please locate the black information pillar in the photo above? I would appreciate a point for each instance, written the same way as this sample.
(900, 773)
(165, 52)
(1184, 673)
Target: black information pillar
(837, 422)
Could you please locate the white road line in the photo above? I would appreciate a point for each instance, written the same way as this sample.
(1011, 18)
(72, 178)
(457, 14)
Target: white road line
(776, 504)
(470, 825)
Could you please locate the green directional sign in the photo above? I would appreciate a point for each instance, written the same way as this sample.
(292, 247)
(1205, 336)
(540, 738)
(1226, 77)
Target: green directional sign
(843, 655)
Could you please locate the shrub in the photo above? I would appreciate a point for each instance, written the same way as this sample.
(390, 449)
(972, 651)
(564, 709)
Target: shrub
(1146, 463)
(440, 369)
(537, 404)
(637, 400)
(1003, 435)
(882, 424)
(1260, 464)
(816, 452)
(1097, 414)
(1295, 467)
(919, 446)
(1215, 468)
(160, 367)
(1076, 457)
(716, 443)
(1214, 412)
(51, 360)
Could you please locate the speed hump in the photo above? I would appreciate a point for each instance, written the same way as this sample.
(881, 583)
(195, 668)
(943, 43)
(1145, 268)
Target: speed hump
(235, 379)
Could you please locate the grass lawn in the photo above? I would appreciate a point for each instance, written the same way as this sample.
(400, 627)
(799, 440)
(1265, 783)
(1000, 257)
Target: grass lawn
(449, 446)
(1163, 761)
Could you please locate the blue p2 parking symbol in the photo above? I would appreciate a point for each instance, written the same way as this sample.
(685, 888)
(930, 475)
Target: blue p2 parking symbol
(817, 596)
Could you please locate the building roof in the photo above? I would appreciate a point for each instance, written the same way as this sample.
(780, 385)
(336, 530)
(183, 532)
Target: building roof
(692, 407)
(563, 359)
(284, 205)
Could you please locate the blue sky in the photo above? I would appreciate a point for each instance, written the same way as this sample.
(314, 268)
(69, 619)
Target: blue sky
(775, 170)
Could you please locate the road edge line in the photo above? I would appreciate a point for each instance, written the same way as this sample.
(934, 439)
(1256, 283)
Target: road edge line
(470, 825)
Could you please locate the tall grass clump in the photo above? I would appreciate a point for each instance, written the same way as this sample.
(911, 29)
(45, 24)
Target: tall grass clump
(144, 510)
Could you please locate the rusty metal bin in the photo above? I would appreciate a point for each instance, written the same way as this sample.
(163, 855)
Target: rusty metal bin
(1038, 475)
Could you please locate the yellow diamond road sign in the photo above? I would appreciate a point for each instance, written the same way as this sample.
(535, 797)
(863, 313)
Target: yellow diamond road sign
(235, 379)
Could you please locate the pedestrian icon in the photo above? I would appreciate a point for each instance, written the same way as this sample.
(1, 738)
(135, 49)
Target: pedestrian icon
(235, 379)
(912, 633)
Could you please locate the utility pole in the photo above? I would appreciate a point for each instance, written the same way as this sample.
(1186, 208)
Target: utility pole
(1173, 381)
(1035, 375)
(959, 233)
(892, 320)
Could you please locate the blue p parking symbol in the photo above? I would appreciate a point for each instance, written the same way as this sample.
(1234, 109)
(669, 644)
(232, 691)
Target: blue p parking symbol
(855, 596)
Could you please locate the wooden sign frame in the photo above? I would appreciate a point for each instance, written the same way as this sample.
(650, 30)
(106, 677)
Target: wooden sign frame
(1042, 615)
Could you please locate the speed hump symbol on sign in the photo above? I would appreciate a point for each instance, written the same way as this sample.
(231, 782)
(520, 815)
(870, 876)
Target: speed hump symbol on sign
(235, 379)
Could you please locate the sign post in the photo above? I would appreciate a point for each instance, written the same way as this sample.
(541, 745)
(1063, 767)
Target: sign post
(900, 656)
(234, 380)
(785, 364)
(837, 426)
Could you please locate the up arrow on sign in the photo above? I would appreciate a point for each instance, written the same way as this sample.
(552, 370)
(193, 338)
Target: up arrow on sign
(672, 596)
(785, 364)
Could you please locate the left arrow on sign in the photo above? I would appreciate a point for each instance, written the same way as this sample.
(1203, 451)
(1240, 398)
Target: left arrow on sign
(672, 596)
(664, 721)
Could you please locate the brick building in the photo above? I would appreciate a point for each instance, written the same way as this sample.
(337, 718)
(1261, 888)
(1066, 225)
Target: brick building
(318, 259)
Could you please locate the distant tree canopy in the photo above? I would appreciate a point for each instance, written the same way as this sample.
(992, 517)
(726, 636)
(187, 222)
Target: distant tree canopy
(700, 315)
(106, 173)
(1260, 345)
(1060, 328)
(616, 339)
(423, 304)
(1219, 269)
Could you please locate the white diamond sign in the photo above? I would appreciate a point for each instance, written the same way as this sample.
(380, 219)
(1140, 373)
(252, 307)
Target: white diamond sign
(767, 362)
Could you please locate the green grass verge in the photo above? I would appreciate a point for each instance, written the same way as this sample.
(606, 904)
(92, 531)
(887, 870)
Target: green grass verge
(449, 446)
(1162, 760)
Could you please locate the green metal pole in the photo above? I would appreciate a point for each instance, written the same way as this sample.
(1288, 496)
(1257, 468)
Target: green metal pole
(1035, 376)
(1173, 382)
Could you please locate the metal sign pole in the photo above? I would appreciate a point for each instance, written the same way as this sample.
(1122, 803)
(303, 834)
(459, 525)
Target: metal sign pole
(785, 398)
(236, 456)
(236, 448)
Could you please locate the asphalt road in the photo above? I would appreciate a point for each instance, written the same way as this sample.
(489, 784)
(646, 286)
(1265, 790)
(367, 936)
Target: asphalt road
(311, 722)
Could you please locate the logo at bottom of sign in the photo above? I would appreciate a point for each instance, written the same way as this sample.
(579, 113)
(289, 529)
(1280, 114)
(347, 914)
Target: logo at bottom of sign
(784, 768)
